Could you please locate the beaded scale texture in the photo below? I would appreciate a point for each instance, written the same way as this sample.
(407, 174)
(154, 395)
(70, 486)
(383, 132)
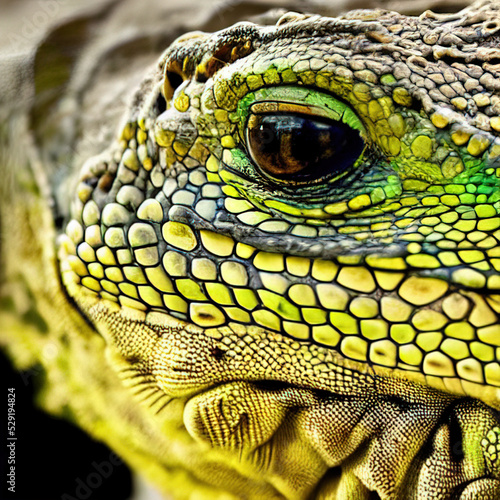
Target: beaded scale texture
(326, 331)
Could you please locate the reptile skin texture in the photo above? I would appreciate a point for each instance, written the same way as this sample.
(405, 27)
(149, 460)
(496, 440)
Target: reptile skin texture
(281, 278)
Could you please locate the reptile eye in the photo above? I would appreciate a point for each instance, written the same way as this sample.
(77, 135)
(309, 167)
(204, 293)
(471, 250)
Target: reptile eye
(296, 148)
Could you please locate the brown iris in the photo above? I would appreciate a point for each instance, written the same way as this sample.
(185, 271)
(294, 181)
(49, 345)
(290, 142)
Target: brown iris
(297, 148)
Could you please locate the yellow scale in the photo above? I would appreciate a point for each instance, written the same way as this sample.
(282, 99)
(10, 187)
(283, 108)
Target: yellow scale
(371, 309)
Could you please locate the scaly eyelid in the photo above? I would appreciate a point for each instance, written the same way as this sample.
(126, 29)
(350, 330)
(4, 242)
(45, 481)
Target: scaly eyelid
(271, 107)
(294, 99)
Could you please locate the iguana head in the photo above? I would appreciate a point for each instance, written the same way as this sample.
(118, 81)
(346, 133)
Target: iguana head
(313, 205)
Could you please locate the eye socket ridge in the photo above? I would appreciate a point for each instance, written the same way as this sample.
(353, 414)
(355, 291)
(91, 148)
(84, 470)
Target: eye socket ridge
(298, 148)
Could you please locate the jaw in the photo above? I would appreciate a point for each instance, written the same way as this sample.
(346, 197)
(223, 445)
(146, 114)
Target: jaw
(299, 417)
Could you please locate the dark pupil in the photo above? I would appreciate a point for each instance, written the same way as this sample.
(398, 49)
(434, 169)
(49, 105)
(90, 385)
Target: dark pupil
(291, 147)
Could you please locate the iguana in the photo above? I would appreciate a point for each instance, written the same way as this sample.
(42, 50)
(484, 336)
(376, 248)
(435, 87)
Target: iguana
(281, 278)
